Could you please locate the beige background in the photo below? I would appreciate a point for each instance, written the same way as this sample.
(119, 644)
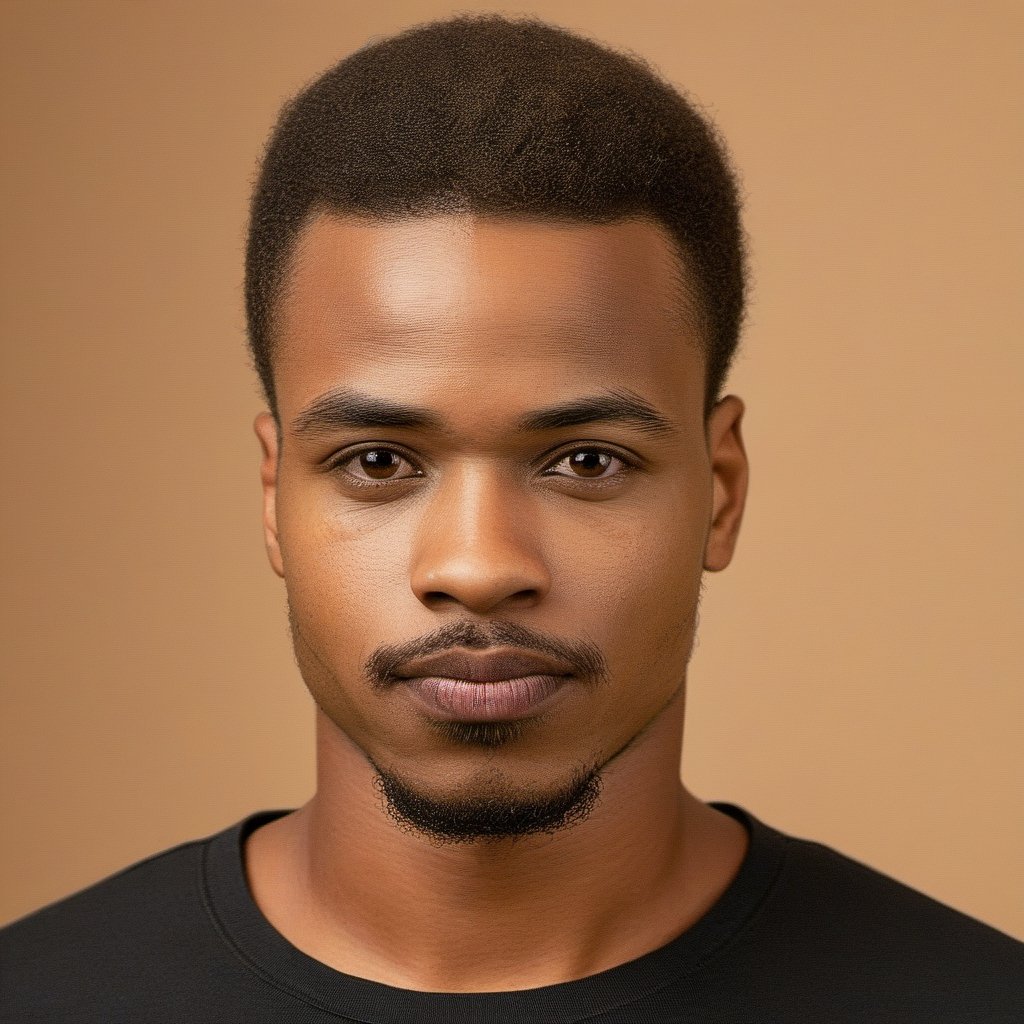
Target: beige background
(858, 679)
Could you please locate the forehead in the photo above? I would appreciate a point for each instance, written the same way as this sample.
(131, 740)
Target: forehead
(460, 299)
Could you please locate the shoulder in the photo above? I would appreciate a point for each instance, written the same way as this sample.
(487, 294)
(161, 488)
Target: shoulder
(823, 885)
(141, 931)
(112, 905)
(835, 932)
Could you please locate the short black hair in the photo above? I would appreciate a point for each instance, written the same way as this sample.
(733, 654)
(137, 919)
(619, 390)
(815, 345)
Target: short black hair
(497, 116)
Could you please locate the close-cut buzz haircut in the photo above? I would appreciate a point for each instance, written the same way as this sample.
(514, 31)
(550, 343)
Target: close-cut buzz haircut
(493, 116)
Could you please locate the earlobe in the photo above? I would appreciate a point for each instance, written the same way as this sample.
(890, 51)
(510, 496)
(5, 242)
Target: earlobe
(267, 432)
(730, 474)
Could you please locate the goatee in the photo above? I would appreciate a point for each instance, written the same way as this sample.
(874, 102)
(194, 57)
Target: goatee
(495, 812)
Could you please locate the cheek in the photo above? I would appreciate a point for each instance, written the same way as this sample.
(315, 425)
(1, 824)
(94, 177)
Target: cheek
(341, 573)
(340, 584)
(642, 605)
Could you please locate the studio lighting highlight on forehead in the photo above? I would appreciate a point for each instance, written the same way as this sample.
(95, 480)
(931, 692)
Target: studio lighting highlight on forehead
(499, 117)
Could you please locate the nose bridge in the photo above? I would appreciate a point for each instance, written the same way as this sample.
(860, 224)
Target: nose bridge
(475, 544)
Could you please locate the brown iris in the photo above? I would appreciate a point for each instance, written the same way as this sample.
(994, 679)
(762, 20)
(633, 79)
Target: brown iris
(379, 463)
(589, 463)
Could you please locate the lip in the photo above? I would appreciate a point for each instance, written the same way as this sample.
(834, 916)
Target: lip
(493, 686)
(484, 666)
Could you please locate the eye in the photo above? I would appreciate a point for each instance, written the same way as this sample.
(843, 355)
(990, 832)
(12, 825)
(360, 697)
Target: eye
(589, 464)
(376, 465)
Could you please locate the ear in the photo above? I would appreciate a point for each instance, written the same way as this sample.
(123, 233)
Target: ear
(266, 430)
(730, 473)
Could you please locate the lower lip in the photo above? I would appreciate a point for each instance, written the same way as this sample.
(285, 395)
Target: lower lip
(504, 700)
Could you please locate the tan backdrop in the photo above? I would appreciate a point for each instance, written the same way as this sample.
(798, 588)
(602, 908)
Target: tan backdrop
(858, 679)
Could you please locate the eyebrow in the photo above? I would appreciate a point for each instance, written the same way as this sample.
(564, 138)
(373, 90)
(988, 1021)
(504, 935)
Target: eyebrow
(604, 407)
(354, 409)
(346, 408)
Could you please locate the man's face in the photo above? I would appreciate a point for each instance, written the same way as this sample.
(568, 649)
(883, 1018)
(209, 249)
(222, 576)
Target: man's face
(465, 522)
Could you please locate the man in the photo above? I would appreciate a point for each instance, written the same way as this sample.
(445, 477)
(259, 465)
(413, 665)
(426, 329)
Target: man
(494, 281)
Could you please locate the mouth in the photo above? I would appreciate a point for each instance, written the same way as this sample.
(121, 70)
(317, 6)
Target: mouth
(494, 686)
(499, 700)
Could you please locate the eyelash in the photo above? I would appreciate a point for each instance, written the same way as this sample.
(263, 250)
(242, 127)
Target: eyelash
(338, 464)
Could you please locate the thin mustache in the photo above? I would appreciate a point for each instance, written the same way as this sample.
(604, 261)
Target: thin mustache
(584, 656)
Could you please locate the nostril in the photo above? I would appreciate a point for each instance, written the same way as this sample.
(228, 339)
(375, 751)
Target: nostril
(478, 602)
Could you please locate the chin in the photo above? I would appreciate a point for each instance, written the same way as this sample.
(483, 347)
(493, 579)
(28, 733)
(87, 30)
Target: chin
(492, 804)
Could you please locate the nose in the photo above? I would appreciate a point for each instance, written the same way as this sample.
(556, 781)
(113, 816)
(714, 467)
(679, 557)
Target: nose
(477, 545)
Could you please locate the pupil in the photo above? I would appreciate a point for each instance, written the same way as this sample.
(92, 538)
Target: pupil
(379, 463)
(591, 463)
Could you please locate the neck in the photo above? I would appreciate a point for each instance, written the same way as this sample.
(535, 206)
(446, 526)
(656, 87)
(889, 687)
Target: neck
(345, 884)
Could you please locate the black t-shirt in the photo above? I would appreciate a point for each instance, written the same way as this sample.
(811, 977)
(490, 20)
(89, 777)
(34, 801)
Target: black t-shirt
(803, 934)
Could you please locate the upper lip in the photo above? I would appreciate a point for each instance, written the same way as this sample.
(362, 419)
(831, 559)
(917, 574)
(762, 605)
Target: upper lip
(484, 667)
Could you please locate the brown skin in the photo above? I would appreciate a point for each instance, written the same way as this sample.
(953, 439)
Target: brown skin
(481, 321)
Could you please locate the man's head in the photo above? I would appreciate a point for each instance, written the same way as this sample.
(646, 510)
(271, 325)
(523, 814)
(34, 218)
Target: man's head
(492, 481)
